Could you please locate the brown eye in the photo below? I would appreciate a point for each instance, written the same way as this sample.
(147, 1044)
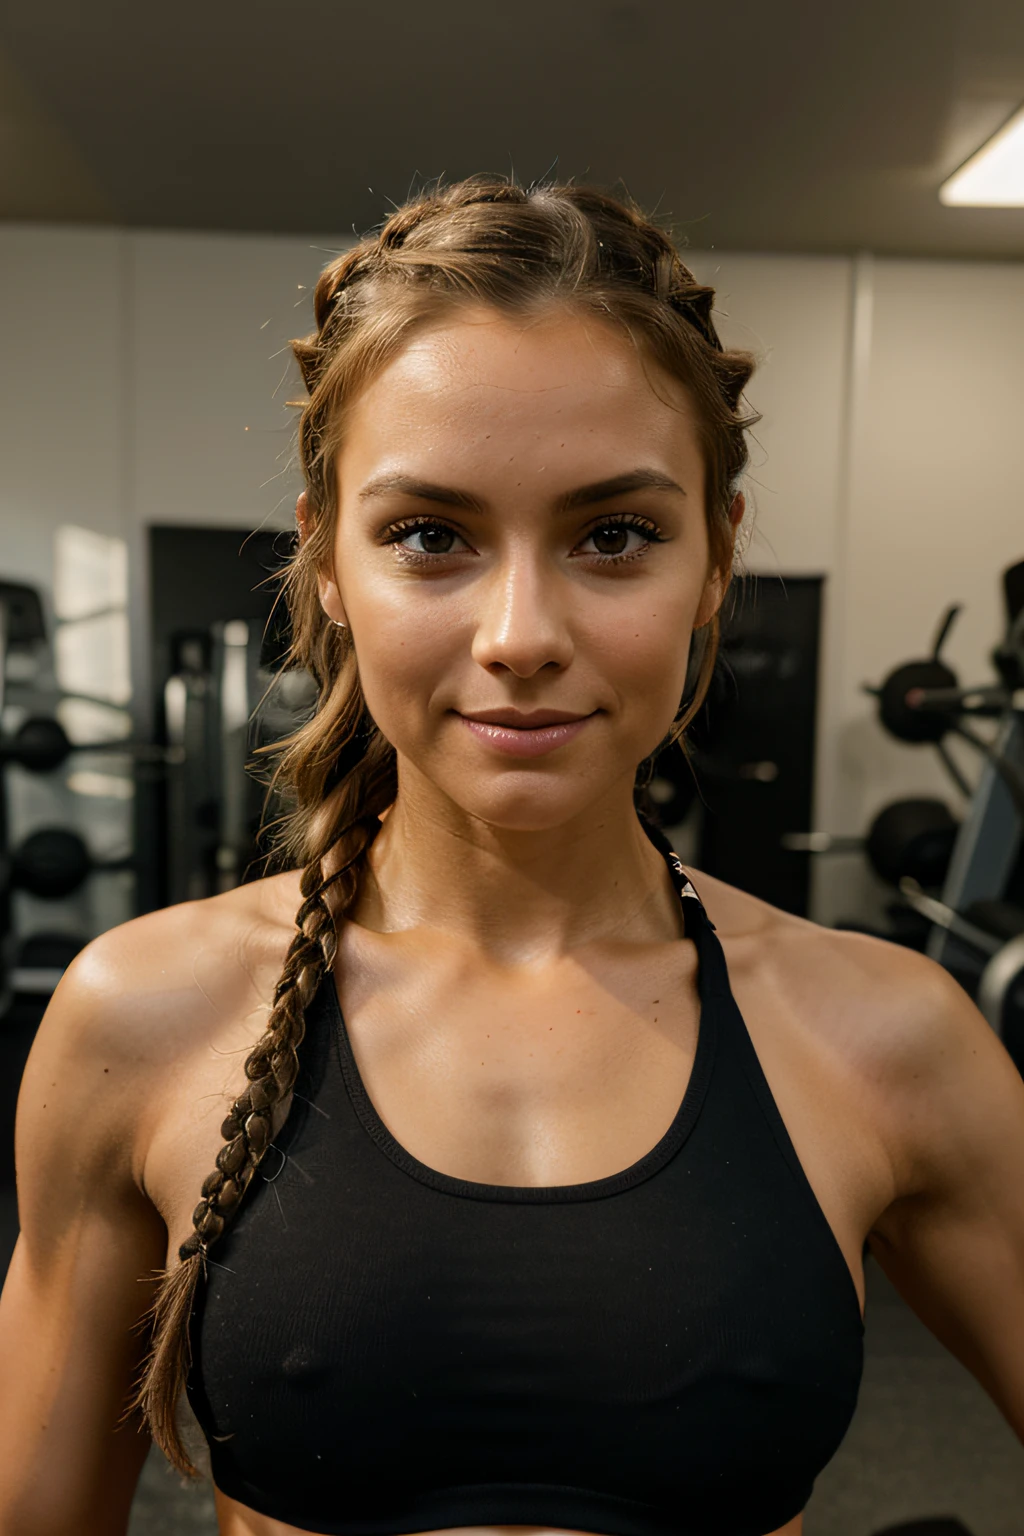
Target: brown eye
(436, 539)
(611, 540)
(620, 540)
(424, 539)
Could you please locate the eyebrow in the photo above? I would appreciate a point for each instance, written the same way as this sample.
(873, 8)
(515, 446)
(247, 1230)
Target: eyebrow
(583, 496)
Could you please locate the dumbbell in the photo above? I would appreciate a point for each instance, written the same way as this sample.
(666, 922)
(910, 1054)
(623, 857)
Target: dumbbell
(899, 717)
(911, 837)
(40, 744)
(53, 862)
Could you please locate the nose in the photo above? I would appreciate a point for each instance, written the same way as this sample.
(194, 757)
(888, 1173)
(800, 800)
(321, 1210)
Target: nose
(523, 619)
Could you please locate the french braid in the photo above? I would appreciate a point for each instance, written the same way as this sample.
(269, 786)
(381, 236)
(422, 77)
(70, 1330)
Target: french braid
(482, 241)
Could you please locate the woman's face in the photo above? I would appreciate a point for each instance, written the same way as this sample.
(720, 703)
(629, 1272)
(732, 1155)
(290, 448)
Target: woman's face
(521, 555)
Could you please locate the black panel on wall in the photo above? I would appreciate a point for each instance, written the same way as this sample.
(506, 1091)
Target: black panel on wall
(200, 575)
(754, 744)
(197, 577)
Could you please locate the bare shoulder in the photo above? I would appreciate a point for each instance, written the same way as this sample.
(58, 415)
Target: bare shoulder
(169, 960)
(143, 997)
(904, 1035)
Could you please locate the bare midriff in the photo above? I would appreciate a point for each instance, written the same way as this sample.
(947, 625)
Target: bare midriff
(235, 1519)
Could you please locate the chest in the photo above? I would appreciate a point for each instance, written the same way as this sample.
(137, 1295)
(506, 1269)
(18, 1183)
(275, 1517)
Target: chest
(542, 1079)
(558, 1078)
(621, 1334)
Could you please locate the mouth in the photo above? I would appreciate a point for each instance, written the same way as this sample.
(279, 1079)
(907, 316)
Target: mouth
(523, 720)
(524, 733)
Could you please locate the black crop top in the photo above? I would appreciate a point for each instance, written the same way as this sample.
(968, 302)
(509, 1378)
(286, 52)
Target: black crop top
(674, 1350)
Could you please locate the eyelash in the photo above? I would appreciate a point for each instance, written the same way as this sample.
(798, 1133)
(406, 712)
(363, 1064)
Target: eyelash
(401, 530)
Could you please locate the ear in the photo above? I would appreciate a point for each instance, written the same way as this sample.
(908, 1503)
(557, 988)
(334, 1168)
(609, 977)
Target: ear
(302, 516)
(736, 511)
(330, 597)
(717, 584)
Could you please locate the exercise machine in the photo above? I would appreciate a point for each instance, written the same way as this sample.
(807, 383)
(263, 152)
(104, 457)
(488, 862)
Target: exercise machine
(964, 883)
(53, 862)
(224, 699)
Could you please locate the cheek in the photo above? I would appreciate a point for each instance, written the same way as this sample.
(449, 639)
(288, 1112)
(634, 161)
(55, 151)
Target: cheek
(405, 650)
(643, 646)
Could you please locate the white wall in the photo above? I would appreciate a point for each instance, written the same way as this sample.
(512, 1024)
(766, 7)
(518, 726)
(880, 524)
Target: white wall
(792, 313)
(886, 459)
(62, 388)
(211, 369)
(144, 381)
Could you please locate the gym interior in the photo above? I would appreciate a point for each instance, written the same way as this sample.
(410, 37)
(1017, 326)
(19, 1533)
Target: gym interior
(169, 190)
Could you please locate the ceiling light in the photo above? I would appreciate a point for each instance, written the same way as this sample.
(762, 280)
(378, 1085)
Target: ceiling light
(994, 175)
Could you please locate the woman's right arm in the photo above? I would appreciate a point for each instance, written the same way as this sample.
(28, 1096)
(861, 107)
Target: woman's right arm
(69, 1346)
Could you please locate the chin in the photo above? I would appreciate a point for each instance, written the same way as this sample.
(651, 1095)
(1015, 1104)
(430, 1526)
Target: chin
(533, 805)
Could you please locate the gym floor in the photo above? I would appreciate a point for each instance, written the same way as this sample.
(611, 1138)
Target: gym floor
(925, 1442)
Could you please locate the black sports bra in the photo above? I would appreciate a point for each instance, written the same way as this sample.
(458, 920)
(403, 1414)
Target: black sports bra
(674, 1350)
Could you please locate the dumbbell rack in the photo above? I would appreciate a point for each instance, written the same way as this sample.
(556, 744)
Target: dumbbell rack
(216, 709)
(52, 862)
(21, 623)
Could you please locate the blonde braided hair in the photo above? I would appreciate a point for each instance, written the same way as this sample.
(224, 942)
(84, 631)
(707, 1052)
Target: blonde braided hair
(483, 241)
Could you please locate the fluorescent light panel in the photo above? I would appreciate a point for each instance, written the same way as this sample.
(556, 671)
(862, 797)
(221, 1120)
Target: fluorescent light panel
(994, 176)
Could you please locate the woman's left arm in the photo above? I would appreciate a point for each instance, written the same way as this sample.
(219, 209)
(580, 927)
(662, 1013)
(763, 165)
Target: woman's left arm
(953, 1241)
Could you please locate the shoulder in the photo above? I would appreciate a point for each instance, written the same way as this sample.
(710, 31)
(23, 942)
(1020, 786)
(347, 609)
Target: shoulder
(173, 963)
(903, 1036)
(144, 996)
(868, 994)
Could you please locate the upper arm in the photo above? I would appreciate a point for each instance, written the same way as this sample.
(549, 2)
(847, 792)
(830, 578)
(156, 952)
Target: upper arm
(953, 1241)
(69, 1345)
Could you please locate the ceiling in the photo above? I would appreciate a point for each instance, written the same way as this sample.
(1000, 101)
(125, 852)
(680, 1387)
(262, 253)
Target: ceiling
(796, 125)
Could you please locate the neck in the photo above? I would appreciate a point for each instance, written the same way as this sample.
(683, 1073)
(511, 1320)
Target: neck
(521, 896)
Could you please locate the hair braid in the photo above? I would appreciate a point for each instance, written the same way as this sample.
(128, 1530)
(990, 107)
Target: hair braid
(271, 1070)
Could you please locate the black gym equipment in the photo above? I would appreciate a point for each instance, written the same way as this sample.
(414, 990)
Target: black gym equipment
(961, 886)
(977, 922)
(912, 839)
(922, 701)
(22, 625)
(40, 744)
(901, 721)
(222, 702)
(198, 838)
(53, 862)
(908, 839)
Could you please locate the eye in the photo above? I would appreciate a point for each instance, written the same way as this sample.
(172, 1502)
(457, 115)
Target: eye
(423, 538)
(621, 538)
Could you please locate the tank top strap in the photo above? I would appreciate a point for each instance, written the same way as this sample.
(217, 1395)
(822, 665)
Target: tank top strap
(713, 975)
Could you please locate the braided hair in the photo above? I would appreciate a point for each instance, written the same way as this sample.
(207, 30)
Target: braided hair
(482, 241)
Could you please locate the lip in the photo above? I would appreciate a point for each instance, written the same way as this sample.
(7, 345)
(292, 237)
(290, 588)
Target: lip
(518, 734)
(524, 720)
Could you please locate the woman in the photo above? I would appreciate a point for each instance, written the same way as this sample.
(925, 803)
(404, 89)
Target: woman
(570, 1169)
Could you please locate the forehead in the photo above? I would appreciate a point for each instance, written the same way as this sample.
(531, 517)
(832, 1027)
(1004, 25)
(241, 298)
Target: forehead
(560, 383)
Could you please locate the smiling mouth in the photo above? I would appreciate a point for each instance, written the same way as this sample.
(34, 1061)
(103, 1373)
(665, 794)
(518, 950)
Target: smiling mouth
(517, 733)
(521, 720)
